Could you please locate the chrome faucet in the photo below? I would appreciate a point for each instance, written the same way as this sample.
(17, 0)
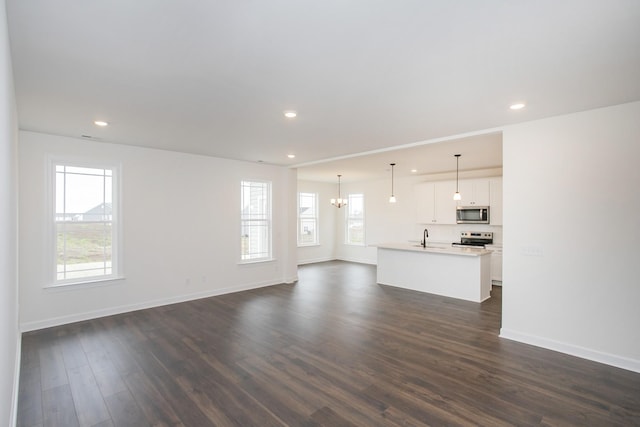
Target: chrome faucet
(425, 234)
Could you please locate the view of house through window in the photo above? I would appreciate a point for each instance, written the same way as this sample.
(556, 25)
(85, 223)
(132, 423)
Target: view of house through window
(307, 219)
(255, 219)
(84, 223)
(355, 220)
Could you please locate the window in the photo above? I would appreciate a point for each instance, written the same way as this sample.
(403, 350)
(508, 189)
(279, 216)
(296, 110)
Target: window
(307, 219)
(255, 219)
(355, 220)
(85, 223)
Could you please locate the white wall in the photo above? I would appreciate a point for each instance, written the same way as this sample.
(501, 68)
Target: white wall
(384, 221)
(9, 331)
(325, 250)
(571, 233)
(180, 215)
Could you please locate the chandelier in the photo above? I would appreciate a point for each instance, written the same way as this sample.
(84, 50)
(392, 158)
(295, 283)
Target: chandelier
(339, 202)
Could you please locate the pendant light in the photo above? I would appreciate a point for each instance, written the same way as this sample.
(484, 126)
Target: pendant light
(339, 202)
(457, 196)
(392, 199)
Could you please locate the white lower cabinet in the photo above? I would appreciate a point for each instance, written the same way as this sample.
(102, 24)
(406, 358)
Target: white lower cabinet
(496, 264)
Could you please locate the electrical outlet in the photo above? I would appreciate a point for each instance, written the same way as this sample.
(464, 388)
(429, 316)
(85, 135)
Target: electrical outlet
(532, 251)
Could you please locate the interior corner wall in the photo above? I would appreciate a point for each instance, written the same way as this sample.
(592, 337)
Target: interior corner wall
(9, 330)
(325, 249)
(181, 230)
(288, 224)
(571, 234)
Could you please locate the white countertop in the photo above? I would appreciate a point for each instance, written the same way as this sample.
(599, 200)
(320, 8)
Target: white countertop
(451, 250)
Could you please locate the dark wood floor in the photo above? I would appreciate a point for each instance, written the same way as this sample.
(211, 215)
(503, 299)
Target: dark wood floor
(335, 349)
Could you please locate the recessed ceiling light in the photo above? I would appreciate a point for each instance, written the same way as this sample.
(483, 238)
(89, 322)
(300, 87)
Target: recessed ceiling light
(414, 170)
(291, 156)
(100, 123)
(517, 106)
(290, 114)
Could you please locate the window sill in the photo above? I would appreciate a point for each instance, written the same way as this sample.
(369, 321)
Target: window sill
(88, 283)
(311, 245)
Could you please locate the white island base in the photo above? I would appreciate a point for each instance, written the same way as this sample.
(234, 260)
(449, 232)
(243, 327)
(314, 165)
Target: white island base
(463, 273)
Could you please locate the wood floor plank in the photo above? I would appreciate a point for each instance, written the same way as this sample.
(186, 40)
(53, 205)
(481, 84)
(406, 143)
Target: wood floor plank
(124, 410)
(217, 393)
(58, 408)
(326, 416)
(284, 406)
(167, 386)
(121, 357)
(73, 353)
(156, 409)
(344, 397)
(107, 377)
(428, 411)
(88, 401)
(335, 348)
(211, 407)
(52, 369)
(30, 397)
(277, 392)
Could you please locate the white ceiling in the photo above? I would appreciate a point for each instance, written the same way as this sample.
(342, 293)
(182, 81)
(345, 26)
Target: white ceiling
(214, 77)
(478, 152)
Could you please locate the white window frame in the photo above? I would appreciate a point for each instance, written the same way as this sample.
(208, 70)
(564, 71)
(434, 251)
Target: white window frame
(349, 219)
(115, 221)
(312, 217)
(260, 219)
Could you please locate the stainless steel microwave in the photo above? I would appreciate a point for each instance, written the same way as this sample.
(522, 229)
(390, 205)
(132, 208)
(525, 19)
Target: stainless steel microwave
(472, 214)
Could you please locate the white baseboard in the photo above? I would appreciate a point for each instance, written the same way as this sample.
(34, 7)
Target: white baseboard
(291, 279)
(16, 383)
(573, 350)
(358, 260)
(314, 260)
(78, 317)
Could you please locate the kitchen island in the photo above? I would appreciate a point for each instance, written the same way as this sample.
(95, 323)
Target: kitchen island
(456, 272)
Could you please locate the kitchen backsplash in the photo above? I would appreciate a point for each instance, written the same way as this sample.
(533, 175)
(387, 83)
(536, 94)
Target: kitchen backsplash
(451, 233)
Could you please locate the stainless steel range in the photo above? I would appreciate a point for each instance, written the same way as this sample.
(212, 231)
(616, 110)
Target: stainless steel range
(474, 239)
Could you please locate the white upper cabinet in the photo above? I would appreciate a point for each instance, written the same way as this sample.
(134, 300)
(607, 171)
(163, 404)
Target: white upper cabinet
(495, 202)
(435, 205)
(474, 192)
(434, 202)
(445, 206)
